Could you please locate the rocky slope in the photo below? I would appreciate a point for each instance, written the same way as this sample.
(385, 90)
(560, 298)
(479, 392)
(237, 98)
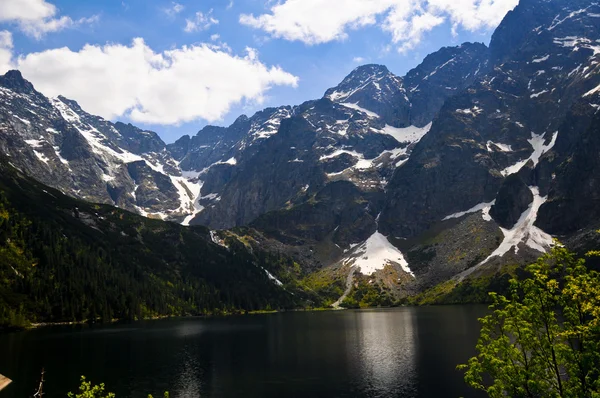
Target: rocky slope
(360, 131)
(508, 160)
(506, 121)
(65, 260)
(508, 148)
(85, 156)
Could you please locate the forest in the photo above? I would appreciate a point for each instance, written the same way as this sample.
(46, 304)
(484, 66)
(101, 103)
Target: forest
(64, 260)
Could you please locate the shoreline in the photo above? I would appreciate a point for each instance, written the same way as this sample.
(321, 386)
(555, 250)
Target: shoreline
(40, 325)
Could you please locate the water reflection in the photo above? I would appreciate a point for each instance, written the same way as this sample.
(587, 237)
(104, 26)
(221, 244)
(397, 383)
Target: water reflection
(190, 329)
(384, 350)
(404, 352)
(189, 376)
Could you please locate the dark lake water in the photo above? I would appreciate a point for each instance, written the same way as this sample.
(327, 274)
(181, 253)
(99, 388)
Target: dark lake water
(403, 352)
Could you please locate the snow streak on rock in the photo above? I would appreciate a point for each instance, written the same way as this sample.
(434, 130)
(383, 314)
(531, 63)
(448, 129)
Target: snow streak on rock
(523, 232)
(484, 208)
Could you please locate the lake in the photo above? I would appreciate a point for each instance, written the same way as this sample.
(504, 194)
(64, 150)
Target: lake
(400, 352)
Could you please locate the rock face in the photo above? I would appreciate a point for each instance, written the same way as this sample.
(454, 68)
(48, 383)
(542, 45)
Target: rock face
(508, 120)
(574, 194)
(499, 142)
(514, 197)
(445, 73)
(90, 158)
(360, 132)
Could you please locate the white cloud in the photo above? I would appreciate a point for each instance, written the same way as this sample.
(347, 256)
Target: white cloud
(407, 28)
(175, 9)
(200, 21)
(6, 45)
(358, 60)
(316, 21)
(322, 21)
(37, 17)
(215, 37)
(230, 5)
(175, 86)
(26, 10)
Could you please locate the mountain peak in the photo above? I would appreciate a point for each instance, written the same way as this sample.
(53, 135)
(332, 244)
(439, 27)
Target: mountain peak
(357, 79)
(13, 80)
(71, 103)
(370, 69)
(365, 73)
(533, 19)
(241, 119)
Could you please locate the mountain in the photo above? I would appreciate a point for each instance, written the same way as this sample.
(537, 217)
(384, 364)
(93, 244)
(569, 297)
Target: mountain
(64, 260)
(518, 128)
(88, 157)
(475, 159)
(506, 121)
(360, 131)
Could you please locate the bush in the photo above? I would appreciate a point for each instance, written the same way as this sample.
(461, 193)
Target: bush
(543, 338)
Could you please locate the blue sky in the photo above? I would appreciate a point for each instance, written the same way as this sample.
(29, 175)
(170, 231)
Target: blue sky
(309, 63)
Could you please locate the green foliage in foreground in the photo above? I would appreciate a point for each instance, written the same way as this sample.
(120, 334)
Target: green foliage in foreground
(88, 390)
(543, 338)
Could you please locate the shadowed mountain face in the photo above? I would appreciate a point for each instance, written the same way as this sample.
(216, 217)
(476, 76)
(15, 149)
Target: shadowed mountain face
(473, 158)
(65, 260)
(361, 131)
(507, 122)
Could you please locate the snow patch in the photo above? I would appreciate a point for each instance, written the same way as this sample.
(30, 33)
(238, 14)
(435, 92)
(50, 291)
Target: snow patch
(358, 108)
(336, 95)
(471, 112)
(410, 134)
(211, 196)
(41, 156)
(65, 111)
(231, 161)
(542, 59)
(271, 277)
(216, 240)
(592, 91)
(483, 207)
(539, 148)
(440, 67)
(188, 193)
(35, 143)
(502, 147)
(270, 127)
(21, 119)
(375, 253)
(191, 174)
(57, 151)
(524, 231)
(535, 95)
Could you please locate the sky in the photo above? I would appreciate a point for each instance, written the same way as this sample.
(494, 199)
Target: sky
(176, 66)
